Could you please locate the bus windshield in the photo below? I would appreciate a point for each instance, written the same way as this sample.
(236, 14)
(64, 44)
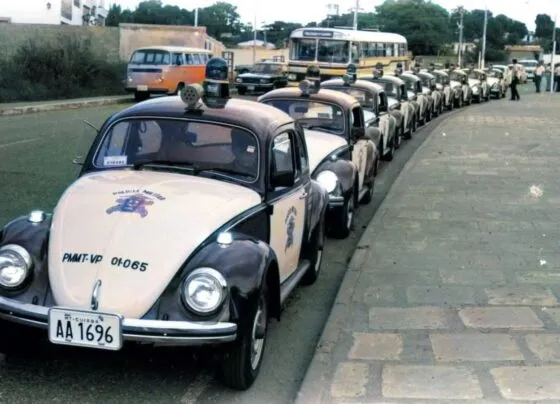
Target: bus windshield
(333, 51)
(304, 49)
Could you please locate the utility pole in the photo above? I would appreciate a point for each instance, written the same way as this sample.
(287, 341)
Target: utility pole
(255, 39)
(483, 58)
(356, 15)
(460, 25)
(552, 54)
(196, 17)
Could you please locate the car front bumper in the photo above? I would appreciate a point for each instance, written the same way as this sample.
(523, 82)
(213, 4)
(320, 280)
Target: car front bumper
(138, 330)
(257, 87)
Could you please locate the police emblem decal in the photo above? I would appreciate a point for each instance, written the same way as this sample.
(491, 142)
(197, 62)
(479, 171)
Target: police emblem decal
(290, 222)
(135, 203)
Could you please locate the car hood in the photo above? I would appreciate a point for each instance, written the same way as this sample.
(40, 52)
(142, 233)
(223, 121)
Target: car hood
(492, 80)
(320, 145)
(474, 82)
(91, 225)
(370, 115)
(254, 76)
(391, 102)
(454, 83)
(426, 91)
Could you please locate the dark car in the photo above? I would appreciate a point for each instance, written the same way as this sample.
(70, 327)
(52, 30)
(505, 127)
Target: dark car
(190, 223)
(343, 155)
(263, 77)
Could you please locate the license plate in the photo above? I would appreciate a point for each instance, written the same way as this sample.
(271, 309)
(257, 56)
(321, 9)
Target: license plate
(85, 329)
(141, 88)
(250, 88)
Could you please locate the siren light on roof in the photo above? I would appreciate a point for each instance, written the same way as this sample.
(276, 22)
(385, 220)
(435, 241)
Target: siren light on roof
(191, 95)
(216, 83)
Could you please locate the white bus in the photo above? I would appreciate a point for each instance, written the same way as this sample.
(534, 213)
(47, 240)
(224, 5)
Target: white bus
(333, 49)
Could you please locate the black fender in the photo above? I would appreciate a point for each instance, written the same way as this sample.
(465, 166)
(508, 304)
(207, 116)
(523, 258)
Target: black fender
(245, 264)
(345, 170)
(374, 134)
(398, 115)
(371, 152)
(34, 237)
(318, 203)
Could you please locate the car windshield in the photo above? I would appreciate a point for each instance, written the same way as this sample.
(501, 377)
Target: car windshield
(494, 73)
(150, 57)
(455, 76)
(312, 114)
(390, 88)
(475, 75)
(528, 63)
(303, 49)
(333, 51)
(441, 79)
(195, 146)
(364, 97)
(426, 81)
(410, 84)
(267, 68)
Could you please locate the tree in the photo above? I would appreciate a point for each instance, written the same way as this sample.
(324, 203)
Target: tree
(279, 32)
(544, 26)
(424, 24)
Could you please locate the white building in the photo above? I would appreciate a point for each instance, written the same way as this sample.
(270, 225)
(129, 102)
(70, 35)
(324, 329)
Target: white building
(65, 12)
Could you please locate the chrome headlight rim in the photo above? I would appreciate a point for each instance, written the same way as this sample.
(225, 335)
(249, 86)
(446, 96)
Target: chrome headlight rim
(22, 254)
(330, 180)
(219, 282)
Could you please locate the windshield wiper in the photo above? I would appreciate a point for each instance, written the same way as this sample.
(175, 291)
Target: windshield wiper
(224, 170)
(168, 163)
(328, 129)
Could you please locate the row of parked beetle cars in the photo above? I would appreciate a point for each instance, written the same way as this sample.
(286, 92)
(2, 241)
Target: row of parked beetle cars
(194, 217)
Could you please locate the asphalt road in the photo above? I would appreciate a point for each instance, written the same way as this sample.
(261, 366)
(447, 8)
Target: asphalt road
(35, 167)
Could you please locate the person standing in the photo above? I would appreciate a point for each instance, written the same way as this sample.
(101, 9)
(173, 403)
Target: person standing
(514, 80)
(557, 77)
(539, 70)
(548, 75)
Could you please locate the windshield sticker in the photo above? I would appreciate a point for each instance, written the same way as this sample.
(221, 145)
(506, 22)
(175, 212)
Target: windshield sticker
(250, 149)
(82, 257)
(290, 227)
(115, 161)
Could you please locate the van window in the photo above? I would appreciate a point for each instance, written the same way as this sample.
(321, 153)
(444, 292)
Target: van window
(178, 59)
(150, 57)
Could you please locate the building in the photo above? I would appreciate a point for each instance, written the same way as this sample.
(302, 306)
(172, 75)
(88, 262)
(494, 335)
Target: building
(55, 12)
(520, 52)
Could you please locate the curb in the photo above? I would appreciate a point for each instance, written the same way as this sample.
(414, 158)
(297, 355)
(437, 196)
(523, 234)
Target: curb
(65, 104)
(315, 386)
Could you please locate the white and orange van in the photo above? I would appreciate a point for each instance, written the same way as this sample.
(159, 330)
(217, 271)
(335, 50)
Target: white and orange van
(164, 70)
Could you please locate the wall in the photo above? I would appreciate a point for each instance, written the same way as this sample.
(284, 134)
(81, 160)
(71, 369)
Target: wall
(135, 36)
(244, 56)
(105, 39)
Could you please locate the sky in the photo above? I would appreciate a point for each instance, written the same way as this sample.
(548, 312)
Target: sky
(316, 10)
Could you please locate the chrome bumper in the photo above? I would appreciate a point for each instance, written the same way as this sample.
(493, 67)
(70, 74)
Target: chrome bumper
(335, 201)
(148, 331)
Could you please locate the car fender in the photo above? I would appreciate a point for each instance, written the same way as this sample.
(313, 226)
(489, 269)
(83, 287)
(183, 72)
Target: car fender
(345, 170)
(34, 238)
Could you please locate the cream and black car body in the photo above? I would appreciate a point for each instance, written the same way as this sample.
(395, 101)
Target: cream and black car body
(481, 88)
(417, 93)
(459, 76)
(189, 223)
(429, 86)
(264, 76)
(342, 153)
(497, 83)
(374, 101)
(443, 84)
(398, 103)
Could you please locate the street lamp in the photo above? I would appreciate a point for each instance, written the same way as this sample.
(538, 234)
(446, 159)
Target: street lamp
(483, 57)
(552, 55)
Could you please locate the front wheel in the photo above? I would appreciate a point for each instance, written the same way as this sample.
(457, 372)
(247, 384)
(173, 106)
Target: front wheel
(241, 364)
(344, 219)
(398, 137)
(316, 255)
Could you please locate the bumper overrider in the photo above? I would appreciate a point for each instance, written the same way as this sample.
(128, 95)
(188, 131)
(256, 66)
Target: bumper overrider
(138, 330)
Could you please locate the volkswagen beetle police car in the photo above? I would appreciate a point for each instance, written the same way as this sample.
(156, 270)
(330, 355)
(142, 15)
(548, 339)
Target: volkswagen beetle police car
(415, 94)
(342, 153)
(479, 77)
(190, 223)
(450, 94)
(459, 76)
(429, 85)
(374, 102)
(397, 95)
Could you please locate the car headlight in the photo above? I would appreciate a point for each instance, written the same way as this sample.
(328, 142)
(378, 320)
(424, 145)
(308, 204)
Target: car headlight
(15, 263)
(328, 180)
(204, 290)
(238, 80)
(264, 81)
(292, 76)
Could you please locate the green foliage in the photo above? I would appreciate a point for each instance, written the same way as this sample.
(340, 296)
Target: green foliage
(67, 67)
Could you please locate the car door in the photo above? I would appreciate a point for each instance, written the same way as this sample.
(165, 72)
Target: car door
(287, 221)
(359, 152)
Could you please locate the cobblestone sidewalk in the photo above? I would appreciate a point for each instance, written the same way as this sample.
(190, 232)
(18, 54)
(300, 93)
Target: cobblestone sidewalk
(453, 291)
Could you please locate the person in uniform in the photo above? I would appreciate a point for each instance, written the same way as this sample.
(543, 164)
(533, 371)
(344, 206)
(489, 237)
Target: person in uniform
(557, 77)
(515, 73)
(548, 76)
(539, 70)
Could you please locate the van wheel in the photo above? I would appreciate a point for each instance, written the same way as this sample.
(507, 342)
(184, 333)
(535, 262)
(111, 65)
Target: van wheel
(242, 362)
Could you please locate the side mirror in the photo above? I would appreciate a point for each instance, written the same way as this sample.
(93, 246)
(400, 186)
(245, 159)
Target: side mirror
(282, 179)
(383, 108)
(357, 133)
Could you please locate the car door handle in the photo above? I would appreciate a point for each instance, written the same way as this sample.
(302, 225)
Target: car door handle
(304, 195)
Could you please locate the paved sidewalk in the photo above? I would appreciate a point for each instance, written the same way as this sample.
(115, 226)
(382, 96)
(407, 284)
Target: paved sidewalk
(453, 292)
(20, 108)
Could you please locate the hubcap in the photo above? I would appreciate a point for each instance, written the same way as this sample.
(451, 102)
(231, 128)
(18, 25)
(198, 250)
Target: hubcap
(257, 341)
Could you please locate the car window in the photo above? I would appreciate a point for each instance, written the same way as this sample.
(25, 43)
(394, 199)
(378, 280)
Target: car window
(364, 97)
(207, 146)
(304, 164)
(282, 154)
(357, 118)
(312, 114)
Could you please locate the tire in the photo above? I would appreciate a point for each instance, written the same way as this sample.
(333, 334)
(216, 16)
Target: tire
(316, 258)
(239, 369)
(368, 197)
(398, 138)
(391, 154)
(241, 91)
(344, 220)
